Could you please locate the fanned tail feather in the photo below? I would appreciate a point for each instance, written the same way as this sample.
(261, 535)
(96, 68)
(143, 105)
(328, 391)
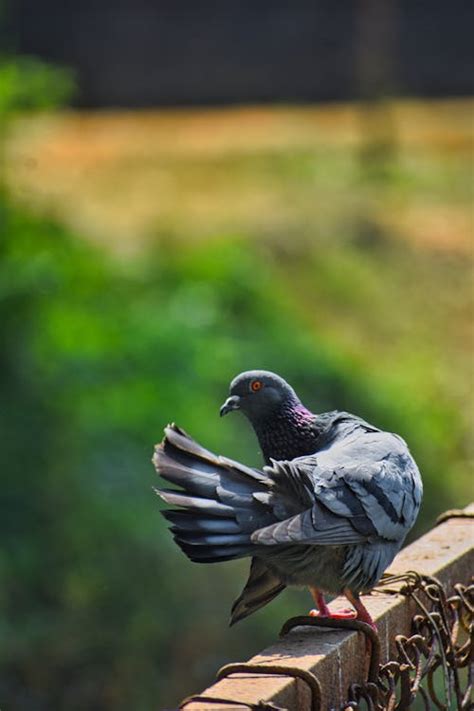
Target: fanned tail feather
(218, 510)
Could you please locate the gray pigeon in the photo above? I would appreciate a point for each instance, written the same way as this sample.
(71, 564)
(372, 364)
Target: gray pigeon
(330, 509)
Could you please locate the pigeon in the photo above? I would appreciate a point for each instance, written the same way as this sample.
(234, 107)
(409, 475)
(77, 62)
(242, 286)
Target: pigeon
(329, 510)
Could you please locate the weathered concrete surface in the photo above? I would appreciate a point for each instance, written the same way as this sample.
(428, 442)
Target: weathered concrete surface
(337, 657)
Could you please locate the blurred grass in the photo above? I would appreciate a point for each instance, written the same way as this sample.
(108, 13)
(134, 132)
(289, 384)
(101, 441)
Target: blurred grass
(146, 259)
(120, 176)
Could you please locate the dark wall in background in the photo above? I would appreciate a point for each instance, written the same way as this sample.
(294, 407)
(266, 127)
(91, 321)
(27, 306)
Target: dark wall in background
(157, 52)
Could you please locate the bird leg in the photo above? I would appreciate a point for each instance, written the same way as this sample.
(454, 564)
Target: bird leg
(362, 613)
(324, 611)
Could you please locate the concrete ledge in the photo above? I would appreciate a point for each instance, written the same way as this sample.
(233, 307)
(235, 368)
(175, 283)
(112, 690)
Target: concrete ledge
(338, 658)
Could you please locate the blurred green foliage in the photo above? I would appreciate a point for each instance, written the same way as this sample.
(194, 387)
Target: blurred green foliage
(28, 83)
(98, 608)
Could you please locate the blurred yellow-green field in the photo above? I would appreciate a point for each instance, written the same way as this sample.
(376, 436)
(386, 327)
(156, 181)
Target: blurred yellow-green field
(122, 176)
(147, 258)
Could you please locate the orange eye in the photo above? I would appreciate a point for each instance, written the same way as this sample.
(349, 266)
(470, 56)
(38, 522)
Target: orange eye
(256, 385)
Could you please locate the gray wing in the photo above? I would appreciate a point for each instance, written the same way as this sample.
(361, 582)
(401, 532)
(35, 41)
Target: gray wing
(365, 490)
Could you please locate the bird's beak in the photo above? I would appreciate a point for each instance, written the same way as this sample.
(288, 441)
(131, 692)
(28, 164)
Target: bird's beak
(232, 403)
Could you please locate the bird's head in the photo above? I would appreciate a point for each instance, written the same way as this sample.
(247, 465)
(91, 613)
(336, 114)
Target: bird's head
(258, 393)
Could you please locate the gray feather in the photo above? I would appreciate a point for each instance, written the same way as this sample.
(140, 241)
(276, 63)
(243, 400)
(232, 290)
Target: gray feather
(261, 587)
(194, 503)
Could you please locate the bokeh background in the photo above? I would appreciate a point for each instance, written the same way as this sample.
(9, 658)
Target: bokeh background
(188, 191)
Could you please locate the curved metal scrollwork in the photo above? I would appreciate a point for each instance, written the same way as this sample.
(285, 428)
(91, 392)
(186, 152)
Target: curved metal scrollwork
(441, 643)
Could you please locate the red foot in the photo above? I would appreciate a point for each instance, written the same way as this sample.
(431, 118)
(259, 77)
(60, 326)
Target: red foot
(365, 617)
(363, 614)
(346, 614)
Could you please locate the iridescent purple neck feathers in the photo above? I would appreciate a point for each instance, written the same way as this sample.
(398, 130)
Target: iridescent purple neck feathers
(289, 432)
(300, 411)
